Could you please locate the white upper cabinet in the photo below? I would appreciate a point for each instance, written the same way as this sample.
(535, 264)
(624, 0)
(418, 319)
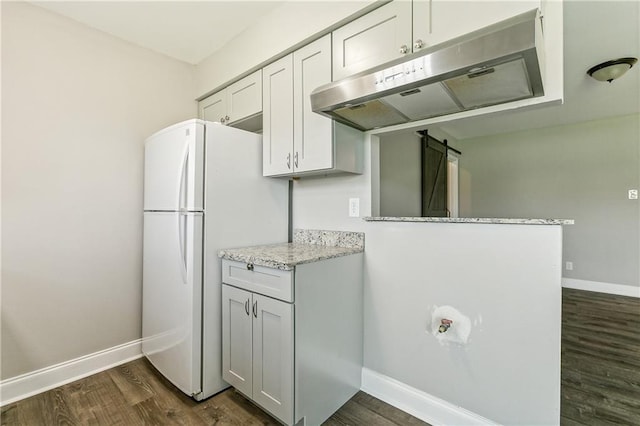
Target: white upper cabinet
(238, 105)
(244, 98)
(373, 39)
(312, 142)
(402, 27)
(436, 21)
(214, 107)
(277, 118)
(297, 141)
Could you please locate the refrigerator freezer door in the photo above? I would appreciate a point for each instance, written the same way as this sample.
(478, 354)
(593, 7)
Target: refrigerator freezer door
(172, 296)
(174, 168)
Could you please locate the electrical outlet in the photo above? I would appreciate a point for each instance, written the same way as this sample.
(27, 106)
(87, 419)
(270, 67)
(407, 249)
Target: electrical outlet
(568, 266)
(354, 207)
(633, 194)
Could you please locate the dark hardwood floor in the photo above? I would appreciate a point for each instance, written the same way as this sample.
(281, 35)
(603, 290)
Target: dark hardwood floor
(136, 394)
(600, 383)
(600, 359)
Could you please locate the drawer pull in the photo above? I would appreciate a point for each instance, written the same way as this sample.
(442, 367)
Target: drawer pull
(250, 266)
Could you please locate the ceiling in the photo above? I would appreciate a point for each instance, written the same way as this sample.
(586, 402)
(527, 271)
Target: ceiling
(185, 30)
(594, 31)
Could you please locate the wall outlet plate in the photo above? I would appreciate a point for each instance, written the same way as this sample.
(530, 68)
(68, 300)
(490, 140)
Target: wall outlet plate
(354, 207)
(633, 194)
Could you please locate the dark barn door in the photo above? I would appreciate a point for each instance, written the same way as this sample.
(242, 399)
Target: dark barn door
(434, 177)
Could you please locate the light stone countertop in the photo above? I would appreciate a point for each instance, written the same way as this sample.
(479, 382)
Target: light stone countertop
(505, 221)
(307, 246)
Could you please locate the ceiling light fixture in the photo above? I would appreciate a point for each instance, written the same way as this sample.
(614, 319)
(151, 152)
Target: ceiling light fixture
(610, 70)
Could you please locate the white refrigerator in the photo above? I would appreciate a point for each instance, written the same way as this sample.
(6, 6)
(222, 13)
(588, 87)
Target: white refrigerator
(203, 191)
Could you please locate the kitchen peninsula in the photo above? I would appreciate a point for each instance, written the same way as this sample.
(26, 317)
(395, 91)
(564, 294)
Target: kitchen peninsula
(504, 276)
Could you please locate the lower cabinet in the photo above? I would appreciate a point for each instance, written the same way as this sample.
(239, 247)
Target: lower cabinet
(258, 349)
(296, 349)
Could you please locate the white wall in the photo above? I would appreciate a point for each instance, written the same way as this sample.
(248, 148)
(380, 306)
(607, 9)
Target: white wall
(401, 175)
(579, 171)
(76, 107)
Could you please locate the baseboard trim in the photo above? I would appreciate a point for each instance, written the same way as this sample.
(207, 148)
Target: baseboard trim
(35, 382)
(610, 288)
(419, 404)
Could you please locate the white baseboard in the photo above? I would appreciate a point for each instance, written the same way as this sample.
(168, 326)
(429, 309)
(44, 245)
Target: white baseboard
(35, 382)
(419, 404)
(618, 289)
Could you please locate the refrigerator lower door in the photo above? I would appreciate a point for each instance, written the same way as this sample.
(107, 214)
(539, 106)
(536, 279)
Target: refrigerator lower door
(172, 296)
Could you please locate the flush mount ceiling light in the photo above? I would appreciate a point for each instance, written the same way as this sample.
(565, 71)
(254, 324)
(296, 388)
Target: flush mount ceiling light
(610, 70)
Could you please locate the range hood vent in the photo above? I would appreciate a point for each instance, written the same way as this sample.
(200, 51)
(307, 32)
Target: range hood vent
(495, 65)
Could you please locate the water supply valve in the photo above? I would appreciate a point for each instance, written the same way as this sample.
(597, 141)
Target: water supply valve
(444, 325)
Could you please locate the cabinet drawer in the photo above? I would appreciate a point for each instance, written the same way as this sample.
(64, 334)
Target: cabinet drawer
(259, 279)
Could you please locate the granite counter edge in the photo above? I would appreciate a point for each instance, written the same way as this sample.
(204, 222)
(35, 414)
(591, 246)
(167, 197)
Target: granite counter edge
(265, 261)
(487, 220)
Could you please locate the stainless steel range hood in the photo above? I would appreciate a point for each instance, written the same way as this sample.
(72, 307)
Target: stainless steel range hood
(498, 64)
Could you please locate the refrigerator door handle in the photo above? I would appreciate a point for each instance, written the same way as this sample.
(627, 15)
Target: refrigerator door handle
(182, 235)
(184, 176)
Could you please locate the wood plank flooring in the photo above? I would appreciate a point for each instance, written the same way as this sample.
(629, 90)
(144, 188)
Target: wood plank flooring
(600, 384)
(600, 359)
(136, 394)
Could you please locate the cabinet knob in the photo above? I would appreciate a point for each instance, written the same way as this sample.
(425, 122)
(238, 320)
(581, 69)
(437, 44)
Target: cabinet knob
(221, 120)
(418, 44)
(226, 118)
(250, 266)
(404, 49)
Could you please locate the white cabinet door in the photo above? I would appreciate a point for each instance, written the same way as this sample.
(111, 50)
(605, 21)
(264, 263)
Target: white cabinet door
(273, 356)
(373, 39)
(436, 21)
(277, 132)
(241, 100)
(257, 349)
(214, 107)
(313, 138)
(295, 139)
(236, 339)
(244, 98)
